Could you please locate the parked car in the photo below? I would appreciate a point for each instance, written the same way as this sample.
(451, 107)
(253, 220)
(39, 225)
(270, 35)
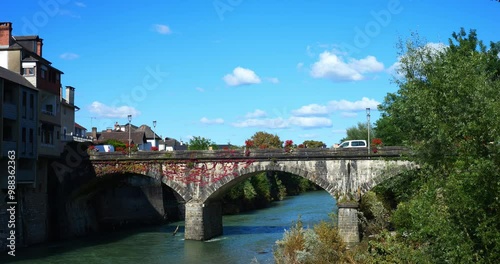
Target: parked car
(104, 148)
(353, 144)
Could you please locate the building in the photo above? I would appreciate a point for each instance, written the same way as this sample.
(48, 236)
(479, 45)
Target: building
(19, 122)
(33, 114)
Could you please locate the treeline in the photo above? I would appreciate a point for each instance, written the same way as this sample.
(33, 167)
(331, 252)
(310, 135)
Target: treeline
(262, 189)
(447, 110)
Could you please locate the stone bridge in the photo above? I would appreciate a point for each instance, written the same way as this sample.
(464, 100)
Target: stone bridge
(201, 178)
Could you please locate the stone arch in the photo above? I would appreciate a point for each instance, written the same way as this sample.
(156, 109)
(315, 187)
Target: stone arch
(216, 190)
(87, 191)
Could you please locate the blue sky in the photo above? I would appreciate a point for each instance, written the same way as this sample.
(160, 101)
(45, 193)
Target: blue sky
(225, 69)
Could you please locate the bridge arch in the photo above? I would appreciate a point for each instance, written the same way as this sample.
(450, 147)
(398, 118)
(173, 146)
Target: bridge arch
(218, 190)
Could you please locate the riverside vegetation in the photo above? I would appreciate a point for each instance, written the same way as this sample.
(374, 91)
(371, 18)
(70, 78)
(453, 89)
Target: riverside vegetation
(447, 110)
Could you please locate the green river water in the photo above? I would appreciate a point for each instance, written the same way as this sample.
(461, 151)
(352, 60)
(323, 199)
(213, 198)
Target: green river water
(247, 238)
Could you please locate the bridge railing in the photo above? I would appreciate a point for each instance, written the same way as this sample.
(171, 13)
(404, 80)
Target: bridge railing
(254, 154)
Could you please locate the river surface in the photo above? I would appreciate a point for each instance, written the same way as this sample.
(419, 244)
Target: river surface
(248, 238)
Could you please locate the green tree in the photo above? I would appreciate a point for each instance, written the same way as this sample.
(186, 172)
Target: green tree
(266, 140)
(448, 110)
(314, 144)
(360, 131)
(200, 143)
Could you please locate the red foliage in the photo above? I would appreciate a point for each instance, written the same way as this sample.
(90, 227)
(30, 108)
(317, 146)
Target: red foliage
(154, 148)
(301, 146)
(376, 141)
(288, 143)
(249, 143)
(263, 146)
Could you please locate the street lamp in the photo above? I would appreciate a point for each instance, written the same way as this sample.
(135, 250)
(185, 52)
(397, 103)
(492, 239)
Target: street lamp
(154, 134)
(368, 125)
(129, 140)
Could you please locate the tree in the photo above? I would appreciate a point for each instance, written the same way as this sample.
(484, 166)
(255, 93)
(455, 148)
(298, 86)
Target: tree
(447, 109)
(200, 143)
(265, 140)
(314, 144)
(358, 132)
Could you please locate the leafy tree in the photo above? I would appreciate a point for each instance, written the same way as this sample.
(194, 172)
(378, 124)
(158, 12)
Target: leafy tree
(200, 143)
(360, 131)
(447, 109)
(314, 144)
(265, 140)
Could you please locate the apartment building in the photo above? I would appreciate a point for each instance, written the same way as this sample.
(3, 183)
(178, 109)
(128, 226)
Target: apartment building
(35, 120)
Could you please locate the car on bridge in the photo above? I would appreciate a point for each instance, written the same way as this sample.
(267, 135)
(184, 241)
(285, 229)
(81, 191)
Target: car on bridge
(353, 144)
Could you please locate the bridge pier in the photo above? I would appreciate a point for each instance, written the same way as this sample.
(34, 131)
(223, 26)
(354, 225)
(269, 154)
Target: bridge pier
(348, 222)
(203, 220)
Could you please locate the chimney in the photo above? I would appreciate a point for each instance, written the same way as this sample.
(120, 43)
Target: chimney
(39, 44)
(94, 133)
(70, 95)
(5, 34)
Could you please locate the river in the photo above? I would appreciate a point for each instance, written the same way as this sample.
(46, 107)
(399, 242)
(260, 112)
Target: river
(248, 238)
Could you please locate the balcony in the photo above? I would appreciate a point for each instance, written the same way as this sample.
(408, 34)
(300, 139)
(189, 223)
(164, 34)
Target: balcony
(48, 112)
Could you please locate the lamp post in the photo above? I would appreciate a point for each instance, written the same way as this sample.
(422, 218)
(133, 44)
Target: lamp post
(129, 140)
(368, 125)
(154, 134)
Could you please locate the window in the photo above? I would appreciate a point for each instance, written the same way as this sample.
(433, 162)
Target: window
(49, 109)
(23, 108)
(23, 139)
(29, 71)
(32, 106)
(48, 135)
(44, 73)
(31, 141)
(64, 135)
(7, 131)
(8, 95)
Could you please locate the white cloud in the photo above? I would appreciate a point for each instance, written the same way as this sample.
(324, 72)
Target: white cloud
(272, 123)
(199, 89)
(273, 80)
(263, 123)
(162, 29)
(69, 56)
(348, 114)
(333, 67)
(80, 4)
(207, 121)
(241, 76)
(256, 114)
(102, 110)
(344, 105)
(310, 110)
(300, 65)
(310, 122)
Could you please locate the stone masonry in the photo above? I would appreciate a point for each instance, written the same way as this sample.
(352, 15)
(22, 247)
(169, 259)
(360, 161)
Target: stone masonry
(200, 178)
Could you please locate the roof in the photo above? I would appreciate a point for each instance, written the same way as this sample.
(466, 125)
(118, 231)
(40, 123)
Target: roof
(148, 131)
(136, 137)
(79, 126)
(15, 77)
(176, 145)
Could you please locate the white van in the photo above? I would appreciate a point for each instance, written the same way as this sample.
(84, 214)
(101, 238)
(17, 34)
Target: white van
(105, 148)
(353, 144)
